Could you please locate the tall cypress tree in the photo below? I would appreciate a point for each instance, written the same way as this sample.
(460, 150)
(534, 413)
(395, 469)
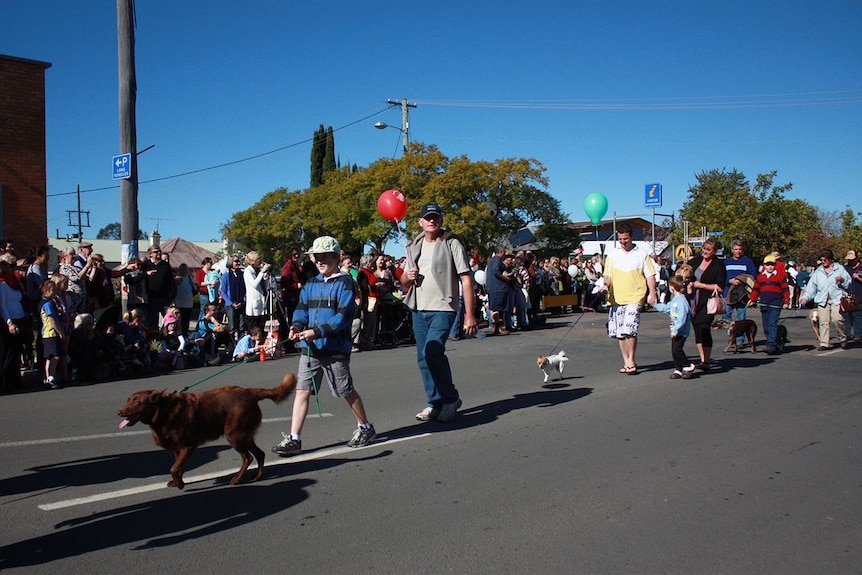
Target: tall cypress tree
(318, 151)
(329, 152)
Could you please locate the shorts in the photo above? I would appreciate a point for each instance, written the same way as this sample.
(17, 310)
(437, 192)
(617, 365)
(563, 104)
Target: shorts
(624, 320)
(336, 367)
(51, 347)
(498, 300)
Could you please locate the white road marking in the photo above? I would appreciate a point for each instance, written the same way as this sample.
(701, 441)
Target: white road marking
(145, 431)
(216, 474)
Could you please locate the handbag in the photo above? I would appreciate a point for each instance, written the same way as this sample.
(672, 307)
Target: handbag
(848, 303)
(716, 305)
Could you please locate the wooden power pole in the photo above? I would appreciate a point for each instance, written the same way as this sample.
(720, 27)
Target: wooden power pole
(128, 131)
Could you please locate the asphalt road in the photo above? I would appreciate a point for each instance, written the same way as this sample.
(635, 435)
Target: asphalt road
(754, 468)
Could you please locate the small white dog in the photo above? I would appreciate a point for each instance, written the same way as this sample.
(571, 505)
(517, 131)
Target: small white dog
(552, 362)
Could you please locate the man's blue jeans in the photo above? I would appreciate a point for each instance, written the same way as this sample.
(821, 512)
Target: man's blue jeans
(739, 312)
(853, 324)
(770, 325)
(431, 328)
(457, 329)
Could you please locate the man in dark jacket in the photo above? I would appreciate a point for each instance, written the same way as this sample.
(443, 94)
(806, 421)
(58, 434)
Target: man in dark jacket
(161, 288)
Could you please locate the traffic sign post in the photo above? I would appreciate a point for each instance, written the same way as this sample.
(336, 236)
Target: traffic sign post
(121, 167)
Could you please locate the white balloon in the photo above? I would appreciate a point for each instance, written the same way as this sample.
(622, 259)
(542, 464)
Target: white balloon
(573, 270)
(479, 276)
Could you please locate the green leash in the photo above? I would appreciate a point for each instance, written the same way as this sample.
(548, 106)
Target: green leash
(313, 383)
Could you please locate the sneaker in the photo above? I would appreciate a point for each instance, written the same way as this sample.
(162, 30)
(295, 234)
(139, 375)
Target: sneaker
(362, 436)
(449, 410)
(677, 375)
(686, 374)
(845, 344)
(50, 383)
(689, 369)
(428, 414)
(288, 446)
(823, 348)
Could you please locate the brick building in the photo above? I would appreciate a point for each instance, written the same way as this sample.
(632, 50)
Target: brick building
(23, 181)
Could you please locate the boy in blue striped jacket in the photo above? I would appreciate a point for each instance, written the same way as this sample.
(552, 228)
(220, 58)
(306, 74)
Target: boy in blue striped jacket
(321, 325)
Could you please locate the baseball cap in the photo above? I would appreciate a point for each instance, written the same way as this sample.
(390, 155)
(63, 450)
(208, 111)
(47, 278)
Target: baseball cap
(429, 209)
(770, 259)
(86, 244)
(325, 245)
(169, 318)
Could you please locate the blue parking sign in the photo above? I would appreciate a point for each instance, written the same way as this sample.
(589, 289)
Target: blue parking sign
(652, 195)
(121, 167)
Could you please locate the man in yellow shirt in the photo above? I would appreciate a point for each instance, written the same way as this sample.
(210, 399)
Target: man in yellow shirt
(630, 279)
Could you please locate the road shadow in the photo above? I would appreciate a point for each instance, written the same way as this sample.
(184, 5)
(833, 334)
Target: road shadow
(201, 509)
(104, 469)
(160, 523)
(483, 414)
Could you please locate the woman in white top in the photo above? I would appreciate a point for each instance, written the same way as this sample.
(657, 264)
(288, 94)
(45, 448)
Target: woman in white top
(256, 277)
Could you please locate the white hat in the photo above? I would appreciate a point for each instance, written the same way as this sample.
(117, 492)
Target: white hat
(325, 245)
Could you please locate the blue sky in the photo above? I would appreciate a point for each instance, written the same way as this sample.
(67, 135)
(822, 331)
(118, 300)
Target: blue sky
(609, 96)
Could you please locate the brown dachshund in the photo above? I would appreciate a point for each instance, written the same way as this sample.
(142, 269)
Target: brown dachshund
(183, 421)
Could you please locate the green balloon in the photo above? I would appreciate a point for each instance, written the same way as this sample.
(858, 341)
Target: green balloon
(596, 206)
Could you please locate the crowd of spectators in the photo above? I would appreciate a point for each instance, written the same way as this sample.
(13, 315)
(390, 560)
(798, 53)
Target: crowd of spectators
(176, 319)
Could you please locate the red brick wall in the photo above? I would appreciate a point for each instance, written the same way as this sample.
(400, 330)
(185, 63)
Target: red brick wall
(22, 152)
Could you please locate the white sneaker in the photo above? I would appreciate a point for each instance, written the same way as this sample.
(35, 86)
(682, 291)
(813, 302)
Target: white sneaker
(428, 414)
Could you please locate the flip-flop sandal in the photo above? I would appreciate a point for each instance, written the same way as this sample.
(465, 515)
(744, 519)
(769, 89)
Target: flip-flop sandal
(629, 370)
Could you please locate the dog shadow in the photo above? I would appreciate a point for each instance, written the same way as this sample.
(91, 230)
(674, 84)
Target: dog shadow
(104, 469)
(192, 515)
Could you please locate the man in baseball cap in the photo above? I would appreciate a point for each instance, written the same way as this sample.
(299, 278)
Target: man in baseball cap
(430, 209)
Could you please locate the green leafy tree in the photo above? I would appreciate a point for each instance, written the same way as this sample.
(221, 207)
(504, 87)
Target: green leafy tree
(112, 232)
(761, 216)
(484, 202)
(851, 231)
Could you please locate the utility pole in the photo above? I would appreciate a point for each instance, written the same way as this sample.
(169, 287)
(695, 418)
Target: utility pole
(128, 130)
(405, 122)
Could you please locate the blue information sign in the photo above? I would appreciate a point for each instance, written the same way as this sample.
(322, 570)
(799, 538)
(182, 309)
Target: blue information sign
(122, 166)
(652, 195)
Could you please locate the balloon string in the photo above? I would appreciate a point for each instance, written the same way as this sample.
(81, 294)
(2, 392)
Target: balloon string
(407, 263)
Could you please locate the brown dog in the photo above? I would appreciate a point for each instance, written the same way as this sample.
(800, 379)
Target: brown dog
(738, 328)
(183, 421)
(686, 272)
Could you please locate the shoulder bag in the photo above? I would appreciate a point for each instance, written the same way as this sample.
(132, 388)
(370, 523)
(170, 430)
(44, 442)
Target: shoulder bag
(716, 305)
(849, 303)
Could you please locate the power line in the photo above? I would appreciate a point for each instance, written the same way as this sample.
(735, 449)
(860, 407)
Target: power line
(226, 164)
(752, 101)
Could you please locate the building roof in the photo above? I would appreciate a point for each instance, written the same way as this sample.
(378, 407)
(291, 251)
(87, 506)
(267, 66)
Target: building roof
(185, 252)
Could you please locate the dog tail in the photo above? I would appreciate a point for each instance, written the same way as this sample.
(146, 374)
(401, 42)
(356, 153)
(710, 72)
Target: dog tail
(277, 394)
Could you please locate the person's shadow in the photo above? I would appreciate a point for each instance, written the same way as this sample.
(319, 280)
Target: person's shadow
(178, 516)
(550, 396)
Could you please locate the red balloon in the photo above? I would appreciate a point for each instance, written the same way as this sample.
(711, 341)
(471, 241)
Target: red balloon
(392, 205)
